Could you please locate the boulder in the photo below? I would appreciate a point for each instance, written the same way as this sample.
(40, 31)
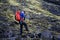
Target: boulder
(30, 35)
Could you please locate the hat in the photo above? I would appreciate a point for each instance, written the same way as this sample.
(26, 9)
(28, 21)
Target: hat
(22, 11)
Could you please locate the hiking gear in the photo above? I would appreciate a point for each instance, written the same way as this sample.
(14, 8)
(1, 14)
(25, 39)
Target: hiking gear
(22, 15)
(17, 15)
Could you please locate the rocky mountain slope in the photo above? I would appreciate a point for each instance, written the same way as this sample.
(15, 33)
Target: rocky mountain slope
(44, 15)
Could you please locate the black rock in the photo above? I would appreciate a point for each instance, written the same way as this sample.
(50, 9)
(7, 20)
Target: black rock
(53, 38)
(24, 36)
(30, 35)
(39, 35)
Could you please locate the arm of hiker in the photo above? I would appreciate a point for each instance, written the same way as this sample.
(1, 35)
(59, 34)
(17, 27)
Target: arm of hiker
(24, 16)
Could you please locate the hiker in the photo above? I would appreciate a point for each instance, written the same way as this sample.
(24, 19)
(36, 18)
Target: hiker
(21, 21)
(22, 14)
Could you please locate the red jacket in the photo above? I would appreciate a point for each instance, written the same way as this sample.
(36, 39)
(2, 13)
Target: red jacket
(17, 15)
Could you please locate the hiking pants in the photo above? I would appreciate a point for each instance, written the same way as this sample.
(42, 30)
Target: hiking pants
(21, 27)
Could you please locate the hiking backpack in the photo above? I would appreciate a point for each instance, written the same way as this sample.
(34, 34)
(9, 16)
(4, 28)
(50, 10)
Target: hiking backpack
(17, 16)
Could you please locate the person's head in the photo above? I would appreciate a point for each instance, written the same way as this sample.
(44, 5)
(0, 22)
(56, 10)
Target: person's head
(22, 11)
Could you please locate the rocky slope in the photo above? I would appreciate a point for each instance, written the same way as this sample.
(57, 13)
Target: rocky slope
(43, 15)
(52, 6)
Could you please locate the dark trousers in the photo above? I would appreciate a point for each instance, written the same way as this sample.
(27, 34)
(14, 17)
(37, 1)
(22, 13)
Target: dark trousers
(21, 27)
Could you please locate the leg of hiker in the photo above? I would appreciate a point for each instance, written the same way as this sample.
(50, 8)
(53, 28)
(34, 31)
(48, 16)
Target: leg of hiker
(25, 25)
(21, 28)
